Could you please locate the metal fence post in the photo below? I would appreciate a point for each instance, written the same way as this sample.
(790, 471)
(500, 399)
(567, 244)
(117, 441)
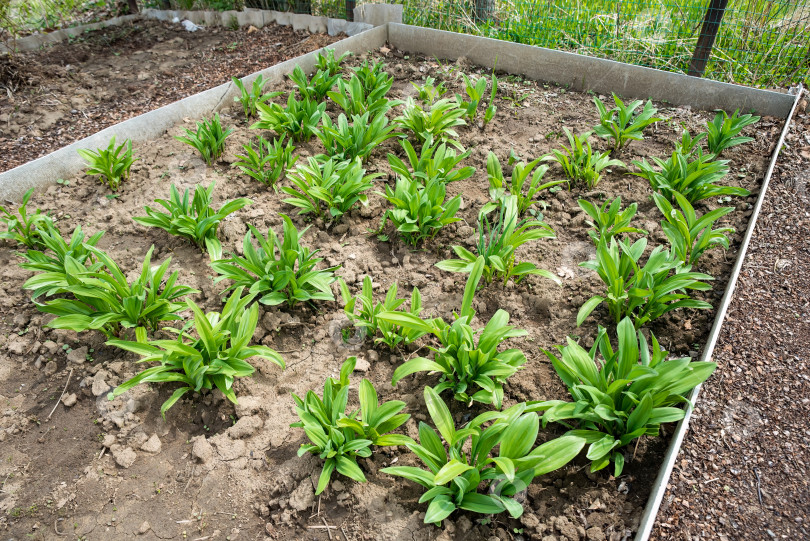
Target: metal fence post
(484, 10)
(708, 33)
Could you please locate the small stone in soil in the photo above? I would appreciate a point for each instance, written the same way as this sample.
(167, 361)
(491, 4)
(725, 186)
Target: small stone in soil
(78, 355)
(69, 400)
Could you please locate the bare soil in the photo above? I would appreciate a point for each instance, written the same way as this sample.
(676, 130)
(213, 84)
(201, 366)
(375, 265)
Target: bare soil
(211, 470)
(743, 469)
(55, 96)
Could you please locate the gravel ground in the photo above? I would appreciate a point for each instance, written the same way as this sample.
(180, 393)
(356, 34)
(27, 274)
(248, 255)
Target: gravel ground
(743, 469)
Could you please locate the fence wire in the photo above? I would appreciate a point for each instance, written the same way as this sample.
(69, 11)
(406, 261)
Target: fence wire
(760, 42)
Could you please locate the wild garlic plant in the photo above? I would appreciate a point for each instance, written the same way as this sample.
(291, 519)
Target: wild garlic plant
(208, 138)
(23, 227)
(111, 164)
(622, 124)
(267, 161)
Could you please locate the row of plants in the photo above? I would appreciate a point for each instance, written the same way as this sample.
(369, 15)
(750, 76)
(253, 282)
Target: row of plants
(616, 396)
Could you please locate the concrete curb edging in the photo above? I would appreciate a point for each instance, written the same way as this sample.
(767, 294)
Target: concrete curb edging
(34, 42)
(586, 73)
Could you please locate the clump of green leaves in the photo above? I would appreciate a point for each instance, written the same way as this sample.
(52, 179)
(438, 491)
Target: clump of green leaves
(280, 270)
(52, 256)
(696, 179)
(316, 88)
(111, 164)
(610, 220)
(457, 467)
(250, 98)
(299, 119)
(434, 124)
(372, 76)
(326, 61)
(688, 234)
(475, 93)
(430, 91)
(363, 312)
(579, 162)
(267, 161)
(420, 211)
(339, 438)
(621, 124)
(688, 145)
(724, 131)
(346, 141)
(193, 218)
(643, 293)
(434, 162)
(628, 395)
(498, 241)
(215, 358)
(208, 138)
(101, 298)
(328, 188)
(473, 371)
(491, 109)
(520, 174)
(22, 227)
(356, 99)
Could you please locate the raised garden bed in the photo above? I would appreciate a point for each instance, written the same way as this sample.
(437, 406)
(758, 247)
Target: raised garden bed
(208, 450)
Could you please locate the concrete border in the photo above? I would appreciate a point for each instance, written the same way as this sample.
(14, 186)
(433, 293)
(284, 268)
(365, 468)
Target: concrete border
(34, 42)
(586, 73)
(66, 162)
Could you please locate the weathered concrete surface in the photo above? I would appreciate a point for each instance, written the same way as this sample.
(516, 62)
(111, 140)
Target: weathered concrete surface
(378, 14)
(587, 73)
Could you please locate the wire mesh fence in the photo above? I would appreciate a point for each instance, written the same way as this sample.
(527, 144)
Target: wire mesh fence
(759, 42)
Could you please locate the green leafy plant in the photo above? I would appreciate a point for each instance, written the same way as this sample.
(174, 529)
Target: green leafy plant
(724, 131)
(621, 124)
(316, 88)
(299, 119)
(22, 227)
(435, 124)
(430, 91)
(215, 358)
(520, 173)
(54, 253)
(101, 298)
(419, 210)
(579, 162)
(491, 109)
(362, 311)
(355, 99)
(475, 92)
(338, 438)
(372, 76)
(689, 235)
(280, 270)
(250, 98)
(473, 371)
(111, 164)
(267, 161)
(457, 467)
(695, 180)
(328, 188)
(208, 138)
(642, 293)
(326, 61)
(498, 240)
(346, 141)
(628, 395)
(609, 220)
(688, 145)
(434, 162)
(194, 219)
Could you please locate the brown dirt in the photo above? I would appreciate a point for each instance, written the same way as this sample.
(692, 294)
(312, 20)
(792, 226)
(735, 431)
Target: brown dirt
(55, 96)
(743, 469)
(59, 474)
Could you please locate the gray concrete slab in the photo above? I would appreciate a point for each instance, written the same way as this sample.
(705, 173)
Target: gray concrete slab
(585, 73)
(378, 14)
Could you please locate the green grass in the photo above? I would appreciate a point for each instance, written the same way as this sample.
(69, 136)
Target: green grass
(760, 43)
